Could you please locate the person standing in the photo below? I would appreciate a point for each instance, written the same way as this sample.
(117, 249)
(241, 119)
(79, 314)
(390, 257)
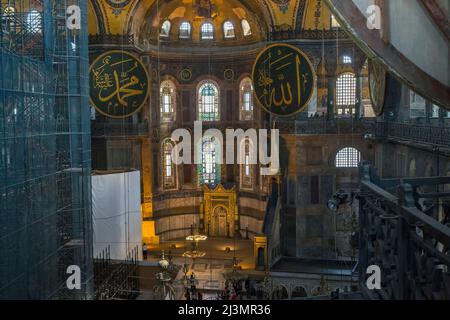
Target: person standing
(144, 251)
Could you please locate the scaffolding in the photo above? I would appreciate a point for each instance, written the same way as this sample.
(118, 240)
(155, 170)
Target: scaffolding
(45, 157)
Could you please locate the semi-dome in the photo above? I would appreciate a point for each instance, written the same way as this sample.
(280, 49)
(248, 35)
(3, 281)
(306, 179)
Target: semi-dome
(202, 23)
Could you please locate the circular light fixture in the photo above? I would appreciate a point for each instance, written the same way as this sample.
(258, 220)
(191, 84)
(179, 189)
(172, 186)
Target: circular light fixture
(194, 254)
(196, 237)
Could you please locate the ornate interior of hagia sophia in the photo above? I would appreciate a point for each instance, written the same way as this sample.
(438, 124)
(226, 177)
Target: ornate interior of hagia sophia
(364, 159)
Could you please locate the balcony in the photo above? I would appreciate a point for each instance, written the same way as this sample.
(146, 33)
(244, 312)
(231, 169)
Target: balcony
(315, 34)
(420, 134)
(323, 125)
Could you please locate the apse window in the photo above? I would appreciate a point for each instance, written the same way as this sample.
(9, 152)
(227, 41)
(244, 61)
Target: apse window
(228, 29)
(165, 29)
(207, 31)
(348, 158)
(167, 100)
(185, 30)
(208, 100)
(246, 30)
(346, 94)
(34, 21)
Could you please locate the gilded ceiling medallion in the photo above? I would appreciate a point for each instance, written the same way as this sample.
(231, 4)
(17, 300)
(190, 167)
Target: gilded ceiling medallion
(283, 5)
(185, 74)
(228, 74)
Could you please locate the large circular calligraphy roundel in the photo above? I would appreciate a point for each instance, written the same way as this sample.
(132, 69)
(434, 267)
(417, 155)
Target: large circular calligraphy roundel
(284, 79)
(377, 86)
(119, 84)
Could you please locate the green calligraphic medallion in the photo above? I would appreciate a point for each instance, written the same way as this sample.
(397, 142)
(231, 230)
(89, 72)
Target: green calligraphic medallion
(119, 84)
(283, 78)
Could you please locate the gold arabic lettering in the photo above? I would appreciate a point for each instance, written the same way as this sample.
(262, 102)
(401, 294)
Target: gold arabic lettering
(122, 92)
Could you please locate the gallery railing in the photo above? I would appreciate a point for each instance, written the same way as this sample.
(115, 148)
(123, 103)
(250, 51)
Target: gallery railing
(111, 39)
(408, 244)
(437, 136)
(314, 34)
(100, 129)
(323, 125)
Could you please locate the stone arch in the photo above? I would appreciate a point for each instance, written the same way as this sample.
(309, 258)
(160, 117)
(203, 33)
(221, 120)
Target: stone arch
(280, 293)
(429, 170)
(299, 292)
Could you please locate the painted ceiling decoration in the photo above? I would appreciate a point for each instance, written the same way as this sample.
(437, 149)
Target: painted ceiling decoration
(118, 5)
(283, 5)
(128, 16)
(206, 9)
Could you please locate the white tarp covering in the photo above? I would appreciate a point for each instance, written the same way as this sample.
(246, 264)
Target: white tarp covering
(116, 209)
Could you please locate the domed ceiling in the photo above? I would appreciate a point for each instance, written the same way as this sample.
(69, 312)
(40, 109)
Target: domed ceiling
(164, 18)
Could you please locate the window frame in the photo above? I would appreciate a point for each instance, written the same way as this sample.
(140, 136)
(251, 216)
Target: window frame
(180, 31)
(249, 32)
(161, 34)
(233, 29)
(213, 115)
(347, 158)
(244, 86)
(169, 182)
(32, 25)
(207, 35)
(348, 93)
(167, 116)
(212, 153)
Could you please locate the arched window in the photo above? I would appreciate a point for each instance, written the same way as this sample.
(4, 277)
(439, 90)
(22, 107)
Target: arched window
(346, 94)
(34, 21)
(167, 101)
(228, 30)
(348, 158)
(246, 30)
(346, 59)
(208, 102)
(169, 168)
(207, 31)
(246, 99)
(165, 29)
(209, 170)
(185, 30)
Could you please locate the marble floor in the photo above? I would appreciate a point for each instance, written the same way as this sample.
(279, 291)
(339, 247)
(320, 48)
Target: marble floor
(209, 270)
